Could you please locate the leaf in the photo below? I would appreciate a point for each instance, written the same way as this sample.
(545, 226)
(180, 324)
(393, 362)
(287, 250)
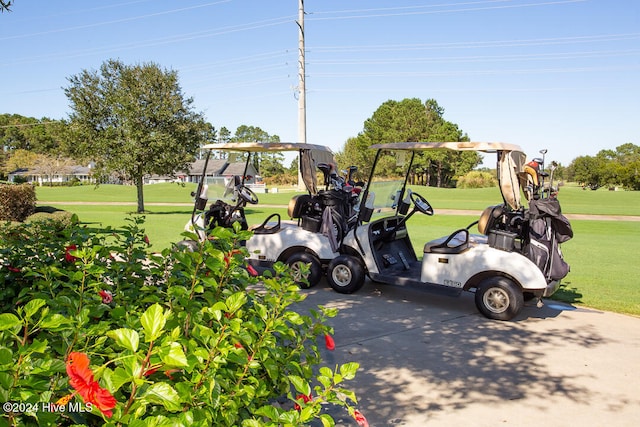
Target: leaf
(32, 307)
(348, 370)
(327, 420)
(127, 338)
(6, 380)
(162, 394)
(173, 355)
(6, 356)
(236, 301)
(117, 378)
(300, 384)
(348, 394)
(118, 312)
(38, 346)
(54, 321)
(9, 321)
(153, 321)
(268, 411)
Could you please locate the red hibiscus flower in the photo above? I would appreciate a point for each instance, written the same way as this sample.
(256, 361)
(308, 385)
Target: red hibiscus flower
(13, 269)
(107, 297)
(238, 345)
(329, 342)
(252, 271)
(67, 253)
(81, 379)
(229, 256)
(150, 371)
(305, 399)
(360, 419)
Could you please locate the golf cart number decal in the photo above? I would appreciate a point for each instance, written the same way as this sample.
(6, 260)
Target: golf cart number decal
(452, 283)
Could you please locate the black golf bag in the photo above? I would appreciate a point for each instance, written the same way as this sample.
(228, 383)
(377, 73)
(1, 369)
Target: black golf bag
(548, 228)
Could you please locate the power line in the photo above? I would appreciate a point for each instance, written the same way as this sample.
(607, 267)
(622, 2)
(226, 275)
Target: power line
(475, 72)
(117, 21)
(431, 12)
(480, 44)
(486, 58)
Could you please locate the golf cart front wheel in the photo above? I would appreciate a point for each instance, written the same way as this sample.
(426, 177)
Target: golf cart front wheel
(499, 298)
(345, 274)
(296, 260)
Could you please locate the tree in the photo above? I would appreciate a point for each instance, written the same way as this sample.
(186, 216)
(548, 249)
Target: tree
(28, 133)
(224, 135)
(133, 120)
(246, 133)
(411, 120)
(584, 170)
(19, 159)
(608, 167)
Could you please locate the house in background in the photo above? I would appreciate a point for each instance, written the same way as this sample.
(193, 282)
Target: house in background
(82, 174)
(76, 173)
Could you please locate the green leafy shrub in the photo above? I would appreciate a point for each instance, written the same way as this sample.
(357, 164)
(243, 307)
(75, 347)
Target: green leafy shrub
(59, 219)
(477, 179)
(95, 330)
(17, 202)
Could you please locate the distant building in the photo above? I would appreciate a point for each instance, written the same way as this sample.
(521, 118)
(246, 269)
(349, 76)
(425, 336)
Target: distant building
(82, 174)
(215, 167)
(75, 173)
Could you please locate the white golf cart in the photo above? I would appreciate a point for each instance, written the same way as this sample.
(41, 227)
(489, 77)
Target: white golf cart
(503, 265)
(317, 220)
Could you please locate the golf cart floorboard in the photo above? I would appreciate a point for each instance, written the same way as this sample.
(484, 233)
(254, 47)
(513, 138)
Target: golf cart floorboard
(410, 278)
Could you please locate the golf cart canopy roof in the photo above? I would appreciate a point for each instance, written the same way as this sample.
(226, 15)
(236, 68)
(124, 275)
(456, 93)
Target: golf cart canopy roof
(260, 147)
(310, 156)
(511, 160)
(488, 147)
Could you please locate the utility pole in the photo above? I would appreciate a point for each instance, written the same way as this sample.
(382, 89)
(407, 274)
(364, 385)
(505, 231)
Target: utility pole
(302, 91)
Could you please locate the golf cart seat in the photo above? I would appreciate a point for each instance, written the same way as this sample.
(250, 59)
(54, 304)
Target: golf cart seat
(269, 226)
(488, 218)
(457, 242)
(297, 205)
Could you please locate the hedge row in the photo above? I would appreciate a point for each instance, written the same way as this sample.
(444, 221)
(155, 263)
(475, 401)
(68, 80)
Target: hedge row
(17, 202)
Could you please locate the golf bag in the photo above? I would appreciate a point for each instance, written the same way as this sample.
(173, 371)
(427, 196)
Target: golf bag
(548, 228)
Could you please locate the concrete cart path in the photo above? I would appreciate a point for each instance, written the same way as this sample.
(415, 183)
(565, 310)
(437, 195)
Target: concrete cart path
(430, 360)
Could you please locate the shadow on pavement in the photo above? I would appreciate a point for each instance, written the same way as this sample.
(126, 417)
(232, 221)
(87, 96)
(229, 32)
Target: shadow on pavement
(422, 355)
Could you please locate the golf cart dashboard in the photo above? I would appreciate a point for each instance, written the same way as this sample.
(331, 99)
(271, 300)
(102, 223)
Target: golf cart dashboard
(389, 228)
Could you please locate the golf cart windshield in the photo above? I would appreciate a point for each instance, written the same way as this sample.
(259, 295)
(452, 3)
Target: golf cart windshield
(236, 161)
(510, 164)
(384, 193)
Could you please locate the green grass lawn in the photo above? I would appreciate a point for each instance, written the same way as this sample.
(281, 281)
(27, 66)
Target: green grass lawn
(605, 265)
(574, 199)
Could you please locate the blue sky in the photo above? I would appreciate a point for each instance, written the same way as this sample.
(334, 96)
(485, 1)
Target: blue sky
(555, 74)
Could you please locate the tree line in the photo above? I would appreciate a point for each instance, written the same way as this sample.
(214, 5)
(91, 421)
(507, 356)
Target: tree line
(619, 167)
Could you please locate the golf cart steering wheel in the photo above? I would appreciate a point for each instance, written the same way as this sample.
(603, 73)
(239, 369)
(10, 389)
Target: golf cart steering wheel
(247, 195)
(421, 204)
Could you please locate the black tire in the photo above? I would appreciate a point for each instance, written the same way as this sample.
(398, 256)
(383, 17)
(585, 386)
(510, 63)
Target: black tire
(315, 269)
(499, 298)
(345, 274)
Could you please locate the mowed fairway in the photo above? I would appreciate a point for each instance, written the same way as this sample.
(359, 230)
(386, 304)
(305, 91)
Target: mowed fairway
(604, 254)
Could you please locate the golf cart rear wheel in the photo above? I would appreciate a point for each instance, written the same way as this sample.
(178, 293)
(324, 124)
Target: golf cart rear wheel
(345, 274)
(296, 260)
(499, 298)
